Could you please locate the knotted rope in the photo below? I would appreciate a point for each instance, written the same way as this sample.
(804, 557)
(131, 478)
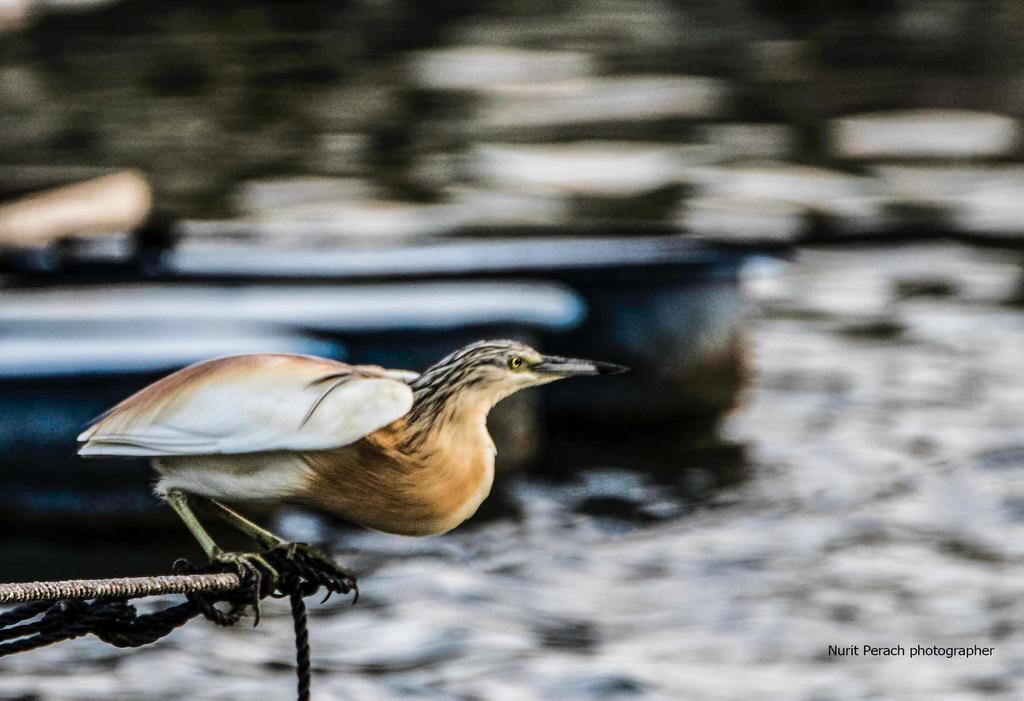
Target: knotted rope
(65, 610)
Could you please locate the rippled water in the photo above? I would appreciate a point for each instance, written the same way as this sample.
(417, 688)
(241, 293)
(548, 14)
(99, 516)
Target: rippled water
(869, 491)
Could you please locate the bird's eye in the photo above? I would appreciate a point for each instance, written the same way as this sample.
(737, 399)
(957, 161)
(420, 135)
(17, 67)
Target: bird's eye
(515, 362)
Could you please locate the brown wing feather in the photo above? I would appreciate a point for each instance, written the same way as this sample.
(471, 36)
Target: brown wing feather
(277, 390)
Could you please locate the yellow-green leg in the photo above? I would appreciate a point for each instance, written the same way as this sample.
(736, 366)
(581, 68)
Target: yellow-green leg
(261, 535)
(179, 501)
(264, 537)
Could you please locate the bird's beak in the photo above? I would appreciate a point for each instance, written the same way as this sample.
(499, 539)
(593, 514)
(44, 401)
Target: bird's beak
(556, 366)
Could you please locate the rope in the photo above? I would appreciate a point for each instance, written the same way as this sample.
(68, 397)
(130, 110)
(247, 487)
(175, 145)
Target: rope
(119, 587)
(302, 665)
(65, 610)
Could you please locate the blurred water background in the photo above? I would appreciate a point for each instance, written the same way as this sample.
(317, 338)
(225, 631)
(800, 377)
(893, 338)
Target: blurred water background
(799, 222)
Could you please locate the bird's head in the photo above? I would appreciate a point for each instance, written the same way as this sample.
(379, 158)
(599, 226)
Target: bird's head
(492, 370)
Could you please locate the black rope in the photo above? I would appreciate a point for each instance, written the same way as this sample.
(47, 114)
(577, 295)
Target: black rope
(300, 572)
(302, 665)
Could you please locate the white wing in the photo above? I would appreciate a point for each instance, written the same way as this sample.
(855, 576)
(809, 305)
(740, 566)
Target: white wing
(252, 403)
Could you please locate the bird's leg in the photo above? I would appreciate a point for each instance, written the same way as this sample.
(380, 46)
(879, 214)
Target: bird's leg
(179, 501)
(267, 539)
(261, 535)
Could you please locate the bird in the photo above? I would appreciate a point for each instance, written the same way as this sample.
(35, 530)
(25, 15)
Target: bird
(390, 450)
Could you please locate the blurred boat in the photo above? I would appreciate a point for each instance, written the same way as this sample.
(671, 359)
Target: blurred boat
(659, 301)
(668, 306)
(97, 212)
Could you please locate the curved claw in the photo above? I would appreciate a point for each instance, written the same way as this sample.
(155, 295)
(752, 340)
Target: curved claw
(255, 564)
(347, 581)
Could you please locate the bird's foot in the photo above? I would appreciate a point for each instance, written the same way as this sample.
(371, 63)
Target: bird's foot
(250, 565)
(330, 574)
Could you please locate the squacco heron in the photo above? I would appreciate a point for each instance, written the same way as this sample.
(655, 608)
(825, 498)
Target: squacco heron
(387, 449)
